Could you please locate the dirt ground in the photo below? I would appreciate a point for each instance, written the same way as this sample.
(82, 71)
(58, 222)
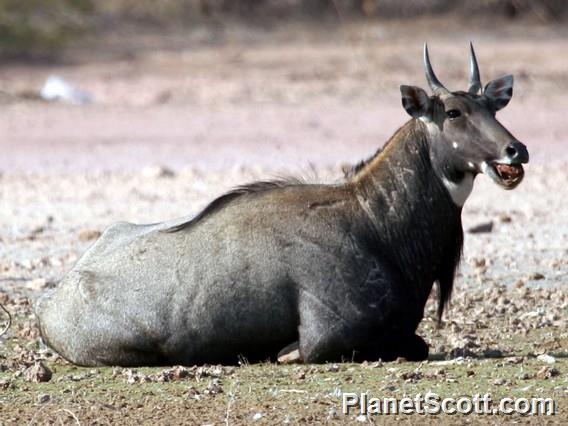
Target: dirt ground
(179, 118)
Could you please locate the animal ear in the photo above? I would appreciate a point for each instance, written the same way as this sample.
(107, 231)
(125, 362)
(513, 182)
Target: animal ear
(499, 92)
(416, 101)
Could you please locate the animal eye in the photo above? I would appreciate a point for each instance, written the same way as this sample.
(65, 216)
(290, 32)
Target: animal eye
(453, 113)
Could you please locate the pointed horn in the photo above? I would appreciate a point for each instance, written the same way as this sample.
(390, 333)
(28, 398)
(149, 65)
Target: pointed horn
(474, 78)
(433, 81)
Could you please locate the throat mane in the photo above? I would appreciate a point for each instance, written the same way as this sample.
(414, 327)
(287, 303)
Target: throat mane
(459, 190)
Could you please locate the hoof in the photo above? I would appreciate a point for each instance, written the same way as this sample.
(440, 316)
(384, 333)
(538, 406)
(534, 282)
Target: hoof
(290, 354)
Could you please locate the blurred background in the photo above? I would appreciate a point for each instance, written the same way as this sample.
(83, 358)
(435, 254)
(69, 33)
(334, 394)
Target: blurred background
(125, 84)
(144, 110)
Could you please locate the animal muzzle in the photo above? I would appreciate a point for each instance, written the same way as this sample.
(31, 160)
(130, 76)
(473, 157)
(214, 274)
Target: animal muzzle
(508, 171)
(517, 153)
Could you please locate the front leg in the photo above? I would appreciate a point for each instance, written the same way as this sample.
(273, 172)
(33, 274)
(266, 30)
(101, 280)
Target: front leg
(325, 336)
(328, 336)
(408, 346)
(414, 349)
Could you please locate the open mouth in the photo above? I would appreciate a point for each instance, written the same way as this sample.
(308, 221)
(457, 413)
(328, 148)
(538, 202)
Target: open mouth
(506, 175)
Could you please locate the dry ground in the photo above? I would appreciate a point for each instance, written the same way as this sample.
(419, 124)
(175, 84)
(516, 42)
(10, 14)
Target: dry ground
(219, 107)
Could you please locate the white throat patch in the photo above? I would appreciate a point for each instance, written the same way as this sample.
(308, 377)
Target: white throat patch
(459, 191)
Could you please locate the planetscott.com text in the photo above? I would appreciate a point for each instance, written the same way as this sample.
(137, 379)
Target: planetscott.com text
(431, 403)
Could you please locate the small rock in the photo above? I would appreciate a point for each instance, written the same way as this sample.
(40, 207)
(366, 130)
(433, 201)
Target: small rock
(158, 172)
(57, 89)
(193, 393)
(37, 373)
(536, 276)
(460, 352)
(478, 262)
(499, 382)
(547, 373)
(257, 416)
(35, 232)
(375, 364)
(214, 387)
(88, 235)
(27, 264)
(38, 284)
(43, 398)
(513, 360)
(505, 218)
(362, 418)
(549, 359)
(481, 228)
(411, 376)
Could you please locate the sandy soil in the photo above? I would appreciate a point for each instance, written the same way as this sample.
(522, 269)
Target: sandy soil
(179, 119)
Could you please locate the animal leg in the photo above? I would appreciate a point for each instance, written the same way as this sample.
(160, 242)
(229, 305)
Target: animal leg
(325, 335)
(409, 346)
(414, 348)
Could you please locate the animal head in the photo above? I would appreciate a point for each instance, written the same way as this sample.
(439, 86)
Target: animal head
(465, 137)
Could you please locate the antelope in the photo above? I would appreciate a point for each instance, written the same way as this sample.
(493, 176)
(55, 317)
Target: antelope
(296, 271)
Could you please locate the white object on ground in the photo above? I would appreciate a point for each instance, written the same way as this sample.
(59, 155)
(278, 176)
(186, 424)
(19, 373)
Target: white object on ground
(549, 359)
(57, 89)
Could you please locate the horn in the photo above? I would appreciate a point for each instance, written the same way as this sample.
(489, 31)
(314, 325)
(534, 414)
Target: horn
(433, 82)
(474, 78)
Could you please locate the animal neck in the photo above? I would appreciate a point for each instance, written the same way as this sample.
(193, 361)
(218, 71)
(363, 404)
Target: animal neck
(458, 184)
(405, 171)
(402, 171)
(416, 222)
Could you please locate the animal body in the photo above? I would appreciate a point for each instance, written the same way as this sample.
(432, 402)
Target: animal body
(311, 271)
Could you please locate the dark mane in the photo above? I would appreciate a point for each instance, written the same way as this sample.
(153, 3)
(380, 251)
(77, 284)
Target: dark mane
(361, 164)
(221, 201)
(409, 253)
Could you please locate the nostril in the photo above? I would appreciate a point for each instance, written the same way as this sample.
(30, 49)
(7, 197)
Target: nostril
(511, 151)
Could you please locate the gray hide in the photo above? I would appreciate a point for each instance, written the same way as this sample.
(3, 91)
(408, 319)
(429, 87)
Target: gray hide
(340, 271)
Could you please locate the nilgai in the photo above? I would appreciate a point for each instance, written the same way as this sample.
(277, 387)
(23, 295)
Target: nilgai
(291, 270)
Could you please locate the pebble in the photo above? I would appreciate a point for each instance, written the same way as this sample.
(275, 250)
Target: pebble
(37, 373)
(158, 172)
(85, 235)
(536, 276)
(43, 398)
(547, 372)
(481, 228)
(549, 359)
